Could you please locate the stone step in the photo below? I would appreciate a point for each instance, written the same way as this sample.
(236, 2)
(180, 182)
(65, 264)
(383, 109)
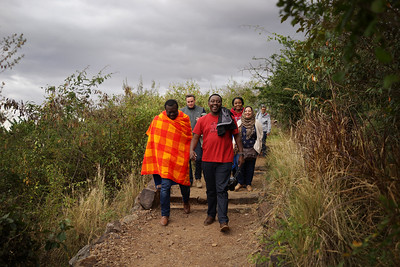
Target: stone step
(235, 208)
(198, 196)
(203, 200)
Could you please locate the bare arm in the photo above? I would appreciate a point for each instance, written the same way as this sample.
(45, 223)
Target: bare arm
(239, 144)
(193, 145)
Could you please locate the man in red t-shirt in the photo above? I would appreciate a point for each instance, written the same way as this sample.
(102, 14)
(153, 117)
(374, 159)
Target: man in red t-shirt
(217, 158)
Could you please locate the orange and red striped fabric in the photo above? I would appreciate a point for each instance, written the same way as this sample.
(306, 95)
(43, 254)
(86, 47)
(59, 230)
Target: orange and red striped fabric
(168, 147)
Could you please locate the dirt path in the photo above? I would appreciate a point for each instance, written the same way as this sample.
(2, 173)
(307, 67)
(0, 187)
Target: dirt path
(186, 241)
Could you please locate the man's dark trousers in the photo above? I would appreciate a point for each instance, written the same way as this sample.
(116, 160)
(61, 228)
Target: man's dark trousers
(216, 175)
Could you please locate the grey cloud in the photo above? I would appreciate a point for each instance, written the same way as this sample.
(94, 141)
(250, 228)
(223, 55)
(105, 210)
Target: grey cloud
(167, 41)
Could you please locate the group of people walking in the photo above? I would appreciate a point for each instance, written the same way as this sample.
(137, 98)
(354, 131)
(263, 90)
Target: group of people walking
(219, 143)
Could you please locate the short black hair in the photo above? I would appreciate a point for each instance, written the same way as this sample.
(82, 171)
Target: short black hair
(214, 95)
(170, 103)
(238, 97)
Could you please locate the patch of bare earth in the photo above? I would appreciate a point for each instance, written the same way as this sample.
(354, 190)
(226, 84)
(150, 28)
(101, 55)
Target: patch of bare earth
(185, 241)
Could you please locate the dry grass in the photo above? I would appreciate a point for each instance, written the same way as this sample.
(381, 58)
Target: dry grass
(325, 202)
(286, 167)
(125, 199)
(91, 213)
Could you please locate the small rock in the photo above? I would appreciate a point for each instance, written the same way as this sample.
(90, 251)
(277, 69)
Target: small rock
(148, 198)
(130, 218)
(82, 254)
(214, 245)
(113, 227)
(89, 261)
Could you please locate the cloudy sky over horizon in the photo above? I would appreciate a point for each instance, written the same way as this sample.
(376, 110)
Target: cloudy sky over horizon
(168, 41)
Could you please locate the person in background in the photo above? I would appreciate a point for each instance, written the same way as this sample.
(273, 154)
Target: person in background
(194, 112)
(237, 110)
(251, 133)
(237, 107)
(217, 128)
(167, 155)
(265, 119)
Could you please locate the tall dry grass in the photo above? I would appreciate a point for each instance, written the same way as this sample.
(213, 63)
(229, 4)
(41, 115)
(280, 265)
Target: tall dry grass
(325, 196)
(92, 211)
(357, 157)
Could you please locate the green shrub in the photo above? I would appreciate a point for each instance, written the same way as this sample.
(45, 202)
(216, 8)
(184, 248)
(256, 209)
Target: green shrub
(17, 247)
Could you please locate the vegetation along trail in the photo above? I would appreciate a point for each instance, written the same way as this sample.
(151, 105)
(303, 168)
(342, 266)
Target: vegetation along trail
(185, 241)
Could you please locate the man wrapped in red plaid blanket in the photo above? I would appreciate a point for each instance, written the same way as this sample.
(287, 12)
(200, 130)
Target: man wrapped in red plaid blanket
(167, 155)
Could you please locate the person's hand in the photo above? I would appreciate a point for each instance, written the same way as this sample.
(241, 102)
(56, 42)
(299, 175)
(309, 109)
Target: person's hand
(193, 155)
(241, 160)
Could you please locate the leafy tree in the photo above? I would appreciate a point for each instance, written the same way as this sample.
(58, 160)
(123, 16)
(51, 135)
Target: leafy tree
(294, 80)
(178, 91)
(9, 47)
(245, 90)
(367, 35)
(345, 78)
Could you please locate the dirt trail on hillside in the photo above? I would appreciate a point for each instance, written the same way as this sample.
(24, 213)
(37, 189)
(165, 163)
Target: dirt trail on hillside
(186, 241)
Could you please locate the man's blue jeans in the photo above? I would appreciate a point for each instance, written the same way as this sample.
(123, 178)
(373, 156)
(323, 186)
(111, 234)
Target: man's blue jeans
(165, 195)
(216, 176)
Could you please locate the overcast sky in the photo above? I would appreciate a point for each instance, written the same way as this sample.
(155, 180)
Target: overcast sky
(168, 41)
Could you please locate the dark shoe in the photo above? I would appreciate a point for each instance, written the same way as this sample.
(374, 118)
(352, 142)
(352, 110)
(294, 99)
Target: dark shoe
(164, 220)
(209, 220)
(186, 207)
(224, 227)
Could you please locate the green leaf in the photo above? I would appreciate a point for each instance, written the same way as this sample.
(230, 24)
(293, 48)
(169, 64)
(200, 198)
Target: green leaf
(382, 55)
(61, 236)
(378, 6)
(339, 76)
(284, 18)
(371, 28)
(390, 79)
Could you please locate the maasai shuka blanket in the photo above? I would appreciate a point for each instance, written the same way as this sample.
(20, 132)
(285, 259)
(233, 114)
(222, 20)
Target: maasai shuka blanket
(168, 148)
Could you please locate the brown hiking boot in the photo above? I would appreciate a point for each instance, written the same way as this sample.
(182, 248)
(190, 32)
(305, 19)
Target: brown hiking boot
(164, 220)
(209, 220)
(186, 207)
(224, 227)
